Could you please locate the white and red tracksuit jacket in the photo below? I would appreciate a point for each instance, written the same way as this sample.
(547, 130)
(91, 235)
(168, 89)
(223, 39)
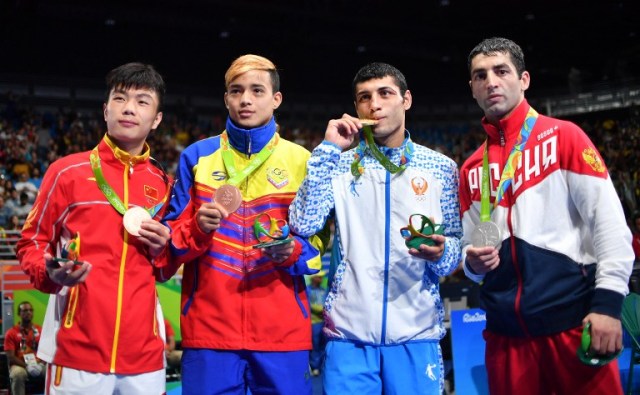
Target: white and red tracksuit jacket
(566, 248)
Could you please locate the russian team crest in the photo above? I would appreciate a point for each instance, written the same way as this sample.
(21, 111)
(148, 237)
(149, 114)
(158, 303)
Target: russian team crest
(593, 159)
(278, 177)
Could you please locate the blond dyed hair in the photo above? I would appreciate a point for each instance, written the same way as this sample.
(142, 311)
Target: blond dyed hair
(246, 63)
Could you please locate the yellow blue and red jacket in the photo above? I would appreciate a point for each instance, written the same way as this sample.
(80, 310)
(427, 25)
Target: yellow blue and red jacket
(233, 296)
(109, 323)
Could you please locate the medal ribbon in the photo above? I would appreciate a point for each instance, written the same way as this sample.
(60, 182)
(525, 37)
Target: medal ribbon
(110, 194)
(106, 189)
(369, 145)
(509, 168)
(235, 176)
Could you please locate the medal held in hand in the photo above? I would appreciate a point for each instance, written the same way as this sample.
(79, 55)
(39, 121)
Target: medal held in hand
(278, 232)
(229, 197)
(71, 251)
(486, 234)
(133, 218)
(585, 354)
(415, 238)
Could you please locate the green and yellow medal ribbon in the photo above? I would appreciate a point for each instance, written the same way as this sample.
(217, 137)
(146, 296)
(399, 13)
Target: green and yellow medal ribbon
(509, 169)
(237, 176)
(368, 145)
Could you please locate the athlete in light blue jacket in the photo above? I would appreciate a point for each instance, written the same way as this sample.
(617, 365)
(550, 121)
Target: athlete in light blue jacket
(383, 313)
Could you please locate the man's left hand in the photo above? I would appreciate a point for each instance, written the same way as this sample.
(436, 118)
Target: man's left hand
(154, 235)
(606, 333)
(430, 253)
(281, 252)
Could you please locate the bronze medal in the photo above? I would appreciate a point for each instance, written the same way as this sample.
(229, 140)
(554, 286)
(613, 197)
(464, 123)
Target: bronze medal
(229, 197)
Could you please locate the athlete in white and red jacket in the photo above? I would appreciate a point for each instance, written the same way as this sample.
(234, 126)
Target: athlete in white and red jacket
(102, 329)
(565, 254)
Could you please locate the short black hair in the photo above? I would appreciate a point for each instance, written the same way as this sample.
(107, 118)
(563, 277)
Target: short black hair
(136, 75)
(493, 45)
(377, 70)
(23, 303)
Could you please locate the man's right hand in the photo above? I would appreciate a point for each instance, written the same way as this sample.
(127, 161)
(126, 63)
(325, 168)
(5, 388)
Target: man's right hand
(209, 216)
(66, 273)
(342, 132)
(482, 260)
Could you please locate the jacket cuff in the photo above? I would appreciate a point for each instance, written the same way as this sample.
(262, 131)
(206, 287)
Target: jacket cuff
(607, 302)
(199, 236)
(295, 255)
(162, 259)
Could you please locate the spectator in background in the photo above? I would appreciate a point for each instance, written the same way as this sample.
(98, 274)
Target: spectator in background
(635, 227)
(5, 213)
(24, 185)
(317, 295)
(23, 209)
(14, 224)
(173, 356)
(36, 177)
(11, 197)
(21, 345)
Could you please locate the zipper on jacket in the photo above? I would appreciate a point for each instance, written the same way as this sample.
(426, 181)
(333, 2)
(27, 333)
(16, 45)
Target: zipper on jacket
(516, 268)
(387, 198)
(502, 140)
(123, 261)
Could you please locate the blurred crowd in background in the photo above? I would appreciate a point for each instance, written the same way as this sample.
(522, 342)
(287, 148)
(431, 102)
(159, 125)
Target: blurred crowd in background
(30, 140)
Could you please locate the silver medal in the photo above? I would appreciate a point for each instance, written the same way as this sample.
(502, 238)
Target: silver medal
(486, 234)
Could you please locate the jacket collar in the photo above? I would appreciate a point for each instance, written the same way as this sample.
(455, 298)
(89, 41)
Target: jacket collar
(250, 141)
(510, 126)
(124, 156)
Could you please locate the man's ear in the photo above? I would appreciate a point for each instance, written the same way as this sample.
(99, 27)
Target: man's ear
(277, 100)
(157, 121)
(407, 100)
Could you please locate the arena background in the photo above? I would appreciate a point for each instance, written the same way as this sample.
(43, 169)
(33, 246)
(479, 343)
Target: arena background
(584, 60)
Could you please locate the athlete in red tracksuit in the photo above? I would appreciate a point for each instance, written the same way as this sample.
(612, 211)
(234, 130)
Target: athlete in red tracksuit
(102, 330)
(564, 256)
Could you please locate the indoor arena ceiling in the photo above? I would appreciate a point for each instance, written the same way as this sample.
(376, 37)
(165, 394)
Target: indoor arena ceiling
(319, 45)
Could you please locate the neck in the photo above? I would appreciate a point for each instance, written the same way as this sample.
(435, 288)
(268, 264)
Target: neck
(393, 140)
(25, 325)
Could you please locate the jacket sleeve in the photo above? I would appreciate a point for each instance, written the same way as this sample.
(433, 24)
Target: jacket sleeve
(450, 205)
(595, 198)
(307, 254)
(187, 241)
(314, 201)
(41, 231)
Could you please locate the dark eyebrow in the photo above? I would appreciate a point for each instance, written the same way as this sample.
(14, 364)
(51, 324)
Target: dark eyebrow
(144, 94)
(252, 86)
